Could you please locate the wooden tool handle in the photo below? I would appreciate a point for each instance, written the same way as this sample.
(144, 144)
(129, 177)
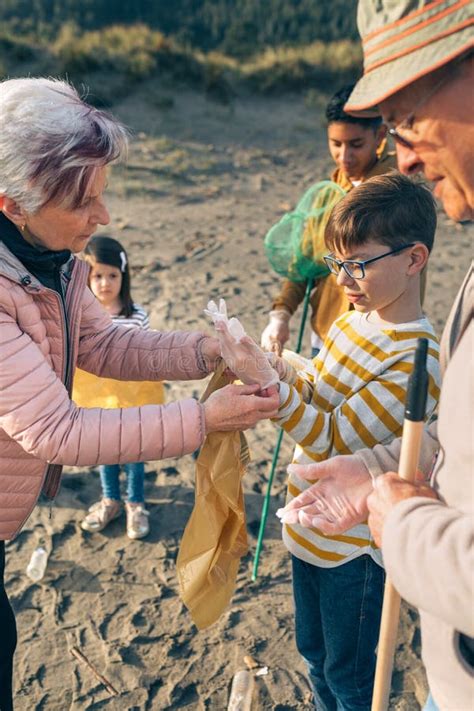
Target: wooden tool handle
(409, 456)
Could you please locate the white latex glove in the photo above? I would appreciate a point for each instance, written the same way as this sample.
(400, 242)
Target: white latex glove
(338, 500)
(241, 354)
(277, 333)
(288, 367)
(286, 372)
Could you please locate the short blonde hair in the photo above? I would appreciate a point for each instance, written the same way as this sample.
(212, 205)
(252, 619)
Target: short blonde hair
(52, 142)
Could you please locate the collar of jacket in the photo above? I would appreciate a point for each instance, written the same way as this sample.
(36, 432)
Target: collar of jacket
(19, 260)
(42, 264)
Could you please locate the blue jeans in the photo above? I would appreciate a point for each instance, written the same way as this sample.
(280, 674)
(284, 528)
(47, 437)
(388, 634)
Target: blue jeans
(337, 619)
(109, 478)
(430, 704)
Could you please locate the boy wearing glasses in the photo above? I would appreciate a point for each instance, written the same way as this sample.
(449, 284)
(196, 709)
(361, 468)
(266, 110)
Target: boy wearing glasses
(358, 148)
(352, 396)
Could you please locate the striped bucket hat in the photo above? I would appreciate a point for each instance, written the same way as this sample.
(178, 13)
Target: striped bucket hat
(403, 41)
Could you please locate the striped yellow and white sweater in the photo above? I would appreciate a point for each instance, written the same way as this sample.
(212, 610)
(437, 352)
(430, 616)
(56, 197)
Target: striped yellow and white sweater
(350, 397)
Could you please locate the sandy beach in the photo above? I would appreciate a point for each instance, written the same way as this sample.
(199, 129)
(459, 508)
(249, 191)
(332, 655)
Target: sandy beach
(203, 184)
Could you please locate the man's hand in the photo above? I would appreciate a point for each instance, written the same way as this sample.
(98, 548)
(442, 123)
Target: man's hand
(238, 407)
(337, 502)
(389, 490)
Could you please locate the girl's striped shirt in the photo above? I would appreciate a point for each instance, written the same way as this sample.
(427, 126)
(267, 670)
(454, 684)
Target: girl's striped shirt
(352, 396)
(138, 319)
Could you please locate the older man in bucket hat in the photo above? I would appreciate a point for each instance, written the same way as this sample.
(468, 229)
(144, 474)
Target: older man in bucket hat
(418, 73)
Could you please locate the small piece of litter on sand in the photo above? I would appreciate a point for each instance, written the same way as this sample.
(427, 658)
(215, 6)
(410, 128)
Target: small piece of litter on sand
(250, 662)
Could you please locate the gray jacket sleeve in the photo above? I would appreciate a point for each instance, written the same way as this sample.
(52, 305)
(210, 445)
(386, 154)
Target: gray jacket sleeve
(428, 553)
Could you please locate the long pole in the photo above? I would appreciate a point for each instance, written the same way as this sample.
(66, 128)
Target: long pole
(276, 452)
(415, 409)
(307, 295)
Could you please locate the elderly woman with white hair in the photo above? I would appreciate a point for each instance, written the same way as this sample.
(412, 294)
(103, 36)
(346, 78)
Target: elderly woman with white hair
(54, 153)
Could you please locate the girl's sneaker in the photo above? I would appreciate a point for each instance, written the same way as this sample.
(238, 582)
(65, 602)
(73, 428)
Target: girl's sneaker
(101, 514)
(138, 525)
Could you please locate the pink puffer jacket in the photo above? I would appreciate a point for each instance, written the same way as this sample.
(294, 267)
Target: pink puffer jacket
(40, 427)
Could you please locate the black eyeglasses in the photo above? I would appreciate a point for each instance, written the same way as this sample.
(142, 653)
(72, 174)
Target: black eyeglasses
(356, 269)
(398, 138)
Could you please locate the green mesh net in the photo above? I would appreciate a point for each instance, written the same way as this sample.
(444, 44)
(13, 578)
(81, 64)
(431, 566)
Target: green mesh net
(295, 245)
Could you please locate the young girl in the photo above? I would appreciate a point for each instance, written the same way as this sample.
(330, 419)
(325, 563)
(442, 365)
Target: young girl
(109, 280)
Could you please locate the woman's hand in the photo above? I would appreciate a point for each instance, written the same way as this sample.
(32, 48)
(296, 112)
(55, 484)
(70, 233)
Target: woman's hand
(211, 353)
(238, 407)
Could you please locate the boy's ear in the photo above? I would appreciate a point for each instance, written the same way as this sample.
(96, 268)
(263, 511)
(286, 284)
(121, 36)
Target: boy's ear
(419, 255)
(12, 210)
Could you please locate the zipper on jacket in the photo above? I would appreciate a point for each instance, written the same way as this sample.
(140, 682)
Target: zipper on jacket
(66, 345)
(50, 478)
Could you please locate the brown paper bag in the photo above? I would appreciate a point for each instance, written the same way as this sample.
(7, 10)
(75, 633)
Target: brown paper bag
(215, 537)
